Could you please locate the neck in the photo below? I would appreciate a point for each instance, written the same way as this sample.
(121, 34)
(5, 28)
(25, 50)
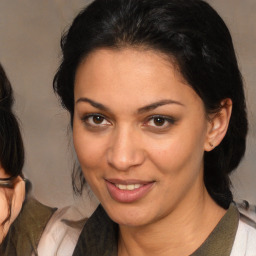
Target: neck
(189, 224)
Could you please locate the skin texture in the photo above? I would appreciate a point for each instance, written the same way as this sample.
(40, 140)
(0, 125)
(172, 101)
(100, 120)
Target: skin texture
(118, 136)
(13, 197)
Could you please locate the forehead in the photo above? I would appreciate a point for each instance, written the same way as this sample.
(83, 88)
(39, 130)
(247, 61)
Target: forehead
(132, 75)
(130, 60)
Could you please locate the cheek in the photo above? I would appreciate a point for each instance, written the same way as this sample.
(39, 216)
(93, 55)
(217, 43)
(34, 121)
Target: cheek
(88, 156)
(181, 151)
(89, 149)
(169, 158)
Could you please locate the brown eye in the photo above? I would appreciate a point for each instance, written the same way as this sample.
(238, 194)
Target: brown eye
(159, 121)
(98, 119)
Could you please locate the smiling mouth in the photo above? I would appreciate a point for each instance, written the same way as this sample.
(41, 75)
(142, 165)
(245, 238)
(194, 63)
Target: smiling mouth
(128, 187)
(128, 191)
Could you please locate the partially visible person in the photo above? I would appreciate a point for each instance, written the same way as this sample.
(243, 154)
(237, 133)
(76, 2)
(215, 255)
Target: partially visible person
(22, 218)
(12, 186)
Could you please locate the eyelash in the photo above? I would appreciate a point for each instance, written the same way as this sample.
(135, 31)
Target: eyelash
(86, 119)
(167, 121)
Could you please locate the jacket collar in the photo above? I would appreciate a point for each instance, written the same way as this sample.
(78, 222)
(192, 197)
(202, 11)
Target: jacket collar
(99, 236)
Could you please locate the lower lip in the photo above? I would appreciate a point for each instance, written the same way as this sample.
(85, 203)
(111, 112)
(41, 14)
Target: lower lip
(128, 196)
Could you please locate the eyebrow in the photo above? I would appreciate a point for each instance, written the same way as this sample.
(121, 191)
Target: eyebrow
(140, 110)
(93, 103)
(158, 104)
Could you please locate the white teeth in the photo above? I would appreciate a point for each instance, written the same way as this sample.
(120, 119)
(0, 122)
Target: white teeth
(128, 187)
(122, 186)
(131, 187)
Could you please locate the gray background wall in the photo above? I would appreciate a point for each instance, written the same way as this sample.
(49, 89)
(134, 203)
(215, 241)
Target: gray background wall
(30, 31)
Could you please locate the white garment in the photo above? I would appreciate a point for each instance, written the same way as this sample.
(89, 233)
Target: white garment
(245, 241)
(59, 238)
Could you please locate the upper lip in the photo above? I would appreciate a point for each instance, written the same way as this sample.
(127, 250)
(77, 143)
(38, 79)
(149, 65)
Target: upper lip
(128, 181)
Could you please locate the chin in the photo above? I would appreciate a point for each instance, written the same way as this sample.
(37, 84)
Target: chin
(128, 221)
(129, 215)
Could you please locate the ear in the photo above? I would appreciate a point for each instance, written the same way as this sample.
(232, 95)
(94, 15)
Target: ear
(218, 125)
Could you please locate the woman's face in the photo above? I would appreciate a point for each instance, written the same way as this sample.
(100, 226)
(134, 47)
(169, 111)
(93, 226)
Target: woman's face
(139, 133)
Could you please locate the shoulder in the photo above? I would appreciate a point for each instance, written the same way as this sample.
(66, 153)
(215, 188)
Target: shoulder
(33, 218)
(245, 240)
(62, 231)
(33, 210)
(24, 234)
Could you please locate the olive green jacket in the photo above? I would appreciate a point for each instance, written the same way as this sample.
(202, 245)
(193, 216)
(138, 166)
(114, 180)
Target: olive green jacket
(25, 233)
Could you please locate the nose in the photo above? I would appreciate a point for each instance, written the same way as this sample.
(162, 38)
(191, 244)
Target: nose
(125, 151)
